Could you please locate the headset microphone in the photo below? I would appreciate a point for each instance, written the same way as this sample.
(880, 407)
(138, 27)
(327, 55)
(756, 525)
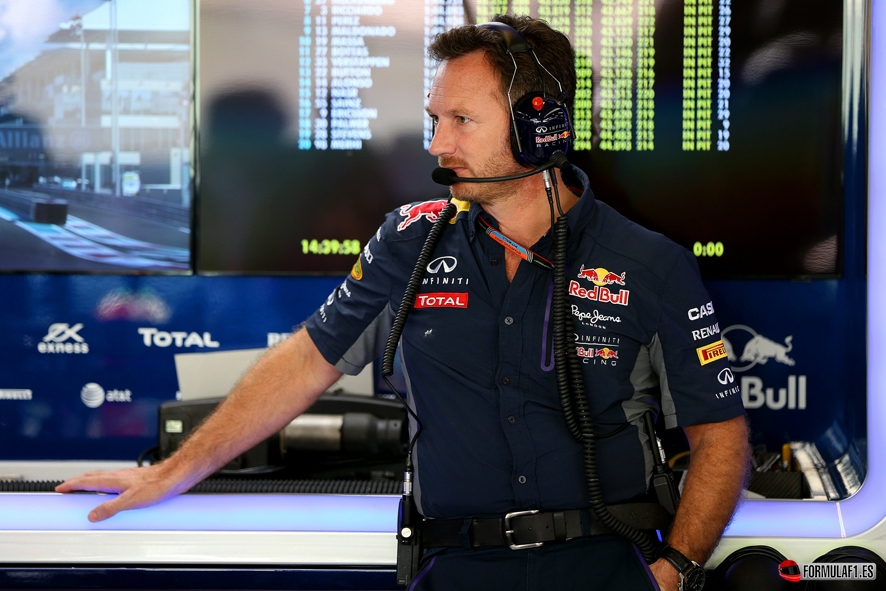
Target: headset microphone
(447, 176)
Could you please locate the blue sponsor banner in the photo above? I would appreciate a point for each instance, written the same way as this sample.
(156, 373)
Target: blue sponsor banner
(87, 360)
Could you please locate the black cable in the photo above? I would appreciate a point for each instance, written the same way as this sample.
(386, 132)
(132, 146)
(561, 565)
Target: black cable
(387, 366)
(573, 397)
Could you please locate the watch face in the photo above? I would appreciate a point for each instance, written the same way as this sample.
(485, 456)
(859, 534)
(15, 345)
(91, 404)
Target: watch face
(694, 580)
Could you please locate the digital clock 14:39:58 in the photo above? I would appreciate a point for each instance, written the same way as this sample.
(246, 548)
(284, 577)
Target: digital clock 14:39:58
(345, 247)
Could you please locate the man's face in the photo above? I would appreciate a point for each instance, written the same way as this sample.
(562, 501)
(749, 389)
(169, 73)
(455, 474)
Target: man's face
(472, 127)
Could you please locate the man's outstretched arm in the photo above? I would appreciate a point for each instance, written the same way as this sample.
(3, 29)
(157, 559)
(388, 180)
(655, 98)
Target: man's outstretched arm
(718, 469)
(282, 385)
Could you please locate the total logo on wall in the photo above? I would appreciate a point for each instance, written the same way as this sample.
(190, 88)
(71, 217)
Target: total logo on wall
(62, 337)
(746, 348)
(94, 395)
(162, 338)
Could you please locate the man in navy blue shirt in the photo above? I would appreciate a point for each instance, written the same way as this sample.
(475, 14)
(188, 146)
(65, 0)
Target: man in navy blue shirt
(478, 356)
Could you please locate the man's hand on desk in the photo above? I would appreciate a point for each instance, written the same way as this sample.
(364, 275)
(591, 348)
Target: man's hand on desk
(136, 488)
(281, 386)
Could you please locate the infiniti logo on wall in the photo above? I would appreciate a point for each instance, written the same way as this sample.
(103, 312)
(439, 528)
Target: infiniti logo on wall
(447, 263)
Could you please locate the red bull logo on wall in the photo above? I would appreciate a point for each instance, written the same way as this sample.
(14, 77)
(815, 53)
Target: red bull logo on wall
(754, 348)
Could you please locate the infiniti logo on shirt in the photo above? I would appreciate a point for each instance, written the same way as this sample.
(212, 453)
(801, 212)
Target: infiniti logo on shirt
(448, 263)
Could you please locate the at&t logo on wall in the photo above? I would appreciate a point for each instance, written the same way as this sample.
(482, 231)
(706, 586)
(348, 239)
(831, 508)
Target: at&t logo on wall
(94, 395)
(61, 337)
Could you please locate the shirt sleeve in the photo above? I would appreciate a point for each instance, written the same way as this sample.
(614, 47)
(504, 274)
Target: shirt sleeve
(697, 382)
(352, 326)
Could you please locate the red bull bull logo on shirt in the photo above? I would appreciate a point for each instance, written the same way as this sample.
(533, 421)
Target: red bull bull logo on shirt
(413, 213)
(599, 294)
(601, 276)
(430, 210)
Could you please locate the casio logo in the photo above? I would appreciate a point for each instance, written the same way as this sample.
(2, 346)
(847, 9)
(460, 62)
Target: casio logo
(701, 311)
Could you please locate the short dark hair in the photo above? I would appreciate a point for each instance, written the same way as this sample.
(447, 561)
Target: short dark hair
(552, 47)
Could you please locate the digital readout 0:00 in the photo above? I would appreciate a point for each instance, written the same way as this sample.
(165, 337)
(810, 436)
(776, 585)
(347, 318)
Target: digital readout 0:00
(711, 249)
(347, 247)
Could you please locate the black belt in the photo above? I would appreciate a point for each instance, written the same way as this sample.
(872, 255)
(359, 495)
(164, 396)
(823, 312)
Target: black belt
(531, 529)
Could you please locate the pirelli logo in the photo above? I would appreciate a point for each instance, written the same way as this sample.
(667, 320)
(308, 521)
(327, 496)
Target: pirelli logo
(710, 353)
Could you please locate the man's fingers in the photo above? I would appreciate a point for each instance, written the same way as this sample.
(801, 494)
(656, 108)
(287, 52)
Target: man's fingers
(95, 482)
(105, 510)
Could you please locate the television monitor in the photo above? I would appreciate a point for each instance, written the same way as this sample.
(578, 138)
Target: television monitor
(95, 136)
(716, 123)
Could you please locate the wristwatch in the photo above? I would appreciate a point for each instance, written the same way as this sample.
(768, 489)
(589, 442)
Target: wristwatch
(691, 573)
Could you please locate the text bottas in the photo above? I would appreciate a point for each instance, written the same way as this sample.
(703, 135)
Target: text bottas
(161, 338)
(754, 395)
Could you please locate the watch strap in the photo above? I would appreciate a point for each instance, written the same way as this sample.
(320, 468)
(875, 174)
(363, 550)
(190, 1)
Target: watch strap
(691, 573)
(677, 559)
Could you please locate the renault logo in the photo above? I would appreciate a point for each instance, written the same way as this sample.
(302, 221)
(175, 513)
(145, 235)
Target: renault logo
(448, 263)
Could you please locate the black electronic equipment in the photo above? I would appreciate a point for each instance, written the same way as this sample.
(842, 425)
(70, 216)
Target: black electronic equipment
(666, 492)
(540, 124)
(339, 436)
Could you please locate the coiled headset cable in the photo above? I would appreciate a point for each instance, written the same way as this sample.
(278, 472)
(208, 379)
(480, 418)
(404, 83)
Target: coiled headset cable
(572, 393)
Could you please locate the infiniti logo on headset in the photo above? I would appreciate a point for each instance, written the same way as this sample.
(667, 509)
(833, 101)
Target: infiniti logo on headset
(448, 263)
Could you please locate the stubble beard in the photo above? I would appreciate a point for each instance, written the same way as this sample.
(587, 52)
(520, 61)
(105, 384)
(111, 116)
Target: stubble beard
(500, 164)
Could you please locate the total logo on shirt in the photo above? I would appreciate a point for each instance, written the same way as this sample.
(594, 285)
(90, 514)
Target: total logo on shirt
(441, 300)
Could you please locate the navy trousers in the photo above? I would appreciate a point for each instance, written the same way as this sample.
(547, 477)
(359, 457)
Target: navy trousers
(606, 562)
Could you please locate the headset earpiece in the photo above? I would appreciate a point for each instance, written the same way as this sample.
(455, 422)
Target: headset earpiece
(540, 124)
(539, 128)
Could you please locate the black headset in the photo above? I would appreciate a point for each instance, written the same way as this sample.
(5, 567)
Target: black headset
(540, 123)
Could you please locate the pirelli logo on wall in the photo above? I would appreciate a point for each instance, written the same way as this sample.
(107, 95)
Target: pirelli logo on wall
(711, 353)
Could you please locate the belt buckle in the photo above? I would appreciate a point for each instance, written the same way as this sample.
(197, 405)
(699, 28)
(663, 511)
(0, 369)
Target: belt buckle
(509, 533)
